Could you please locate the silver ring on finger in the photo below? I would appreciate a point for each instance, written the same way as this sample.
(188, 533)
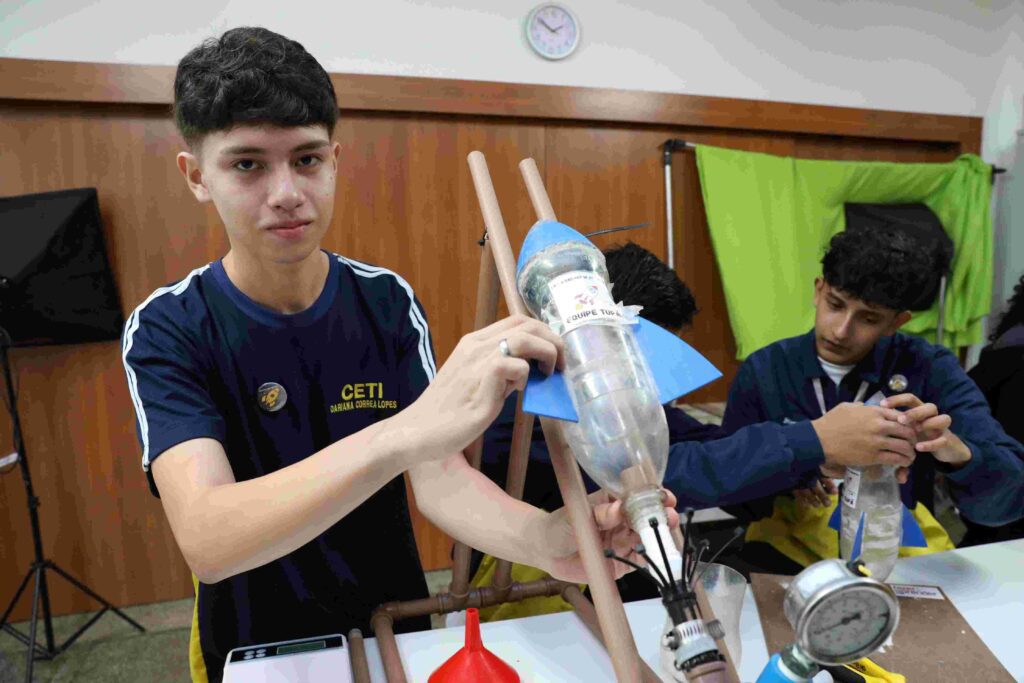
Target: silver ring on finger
(505, 350)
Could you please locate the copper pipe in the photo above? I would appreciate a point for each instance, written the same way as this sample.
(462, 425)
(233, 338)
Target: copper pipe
(501, 250)
(357, 657)
(611, 615)
(386, 615)
(500, 245)
(487, 290)
(484, 596)
(584, 609)
(486, 313)
(708, 615)
(383, 627)
(610, 612)
(515, 480)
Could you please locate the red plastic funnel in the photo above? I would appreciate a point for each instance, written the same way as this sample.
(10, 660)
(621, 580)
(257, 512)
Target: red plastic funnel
(474, 663)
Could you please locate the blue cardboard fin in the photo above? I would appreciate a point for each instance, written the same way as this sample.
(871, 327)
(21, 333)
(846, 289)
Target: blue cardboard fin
(677, 367)
(548, 396)
(858, 540)
(912, 536)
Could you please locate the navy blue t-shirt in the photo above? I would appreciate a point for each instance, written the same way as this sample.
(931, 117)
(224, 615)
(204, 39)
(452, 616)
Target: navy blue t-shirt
(196, 354)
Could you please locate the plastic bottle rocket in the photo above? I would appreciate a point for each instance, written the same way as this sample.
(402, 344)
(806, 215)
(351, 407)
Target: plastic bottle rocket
(617, 428)
(874, 522)
(474, 663)
(871, 499)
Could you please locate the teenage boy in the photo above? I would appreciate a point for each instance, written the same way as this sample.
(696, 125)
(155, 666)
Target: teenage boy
(282, 391)
(853, 354)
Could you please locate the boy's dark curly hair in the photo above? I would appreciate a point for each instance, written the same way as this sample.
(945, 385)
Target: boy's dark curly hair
(642, 279)
(1014, 314)
(883, 266)
(250, 75)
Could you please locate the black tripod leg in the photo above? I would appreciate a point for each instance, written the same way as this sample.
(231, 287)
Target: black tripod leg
(30, 656)
(17, 596)
(91, 593)
(44, 593)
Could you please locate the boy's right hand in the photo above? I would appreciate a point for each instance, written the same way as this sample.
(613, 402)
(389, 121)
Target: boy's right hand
(470, 389)
(856, 434)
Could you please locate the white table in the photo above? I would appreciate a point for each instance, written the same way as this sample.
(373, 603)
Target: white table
(986, 583)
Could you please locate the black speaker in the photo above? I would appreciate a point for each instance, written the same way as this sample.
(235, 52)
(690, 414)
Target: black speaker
(55, 280)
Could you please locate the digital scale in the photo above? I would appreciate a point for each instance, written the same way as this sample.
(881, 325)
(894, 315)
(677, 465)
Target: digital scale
(311, 660)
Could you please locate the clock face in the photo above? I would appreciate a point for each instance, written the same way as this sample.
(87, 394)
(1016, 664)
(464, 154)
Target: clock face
(552, 31)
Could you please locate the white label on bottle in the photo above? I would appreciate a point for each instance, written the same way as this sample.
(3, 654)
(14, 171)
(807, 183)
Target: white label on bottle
(851, 487)
(583, 298)
(905, 590)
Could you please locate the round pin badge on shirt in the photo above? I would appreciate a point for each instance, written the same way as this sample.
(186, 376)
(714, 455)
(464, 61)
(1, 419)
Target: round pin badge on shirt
(898, 383)
(271, 396)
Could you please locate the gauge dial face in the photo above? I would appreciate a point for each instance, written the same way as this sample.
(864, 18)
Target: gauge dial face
(847, 622)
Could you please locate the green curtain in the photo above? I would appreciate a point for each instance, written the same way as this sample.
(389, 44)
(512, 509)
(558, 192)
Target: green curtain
(772, 217)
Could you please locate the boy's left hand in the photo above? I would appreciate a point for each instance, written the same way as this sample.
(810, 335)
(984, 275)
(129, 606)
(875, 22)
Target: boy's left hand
(564, 560)
(932, 428)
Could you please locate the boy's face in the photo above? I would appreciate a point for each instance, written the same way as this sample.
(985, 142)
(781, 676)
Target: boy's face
(846, 328)
(273, 187)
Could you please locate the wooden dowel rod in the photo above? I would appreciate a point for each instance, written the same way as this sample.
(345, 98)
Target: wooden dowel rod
(486, 313)
(535, 188)
(357, 657)
(515, 479)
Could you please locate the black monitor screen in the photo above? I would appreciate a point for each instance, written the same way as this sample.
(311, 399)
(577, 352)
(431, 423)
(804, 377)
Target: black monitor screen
(55, 280)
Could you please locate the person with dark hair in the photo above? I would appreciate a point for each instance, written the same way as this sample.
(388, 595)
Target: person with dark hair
(640, 278)
(1000, 376)
(856, 354)
(281, 391)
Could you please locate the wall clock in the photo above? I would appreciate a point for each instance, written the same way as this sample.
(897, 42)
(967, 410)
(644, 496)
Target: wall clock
(552, 31)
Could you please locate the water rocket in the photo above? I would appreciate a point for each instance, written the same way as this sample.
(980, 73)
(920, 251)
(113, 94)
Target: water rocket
(911, 535)
(677, 367)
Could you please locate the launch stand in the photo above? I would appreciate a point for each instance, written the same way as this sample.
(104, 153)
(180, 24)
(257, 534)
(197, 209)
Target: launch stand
(605, 617)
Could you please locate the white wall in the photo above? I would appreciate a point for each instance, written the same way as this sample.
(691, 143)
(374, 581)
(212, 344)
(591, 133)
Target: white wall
(967, 58)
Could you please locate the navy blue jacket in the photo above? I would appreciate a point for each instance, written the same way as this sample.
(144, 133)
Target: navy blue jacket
(775, 384)
(704, 469)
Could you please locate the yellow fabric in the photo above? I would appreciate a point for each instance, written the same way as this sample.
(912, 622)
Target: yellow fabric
(801, 532)
(196, 663)
(524, 608)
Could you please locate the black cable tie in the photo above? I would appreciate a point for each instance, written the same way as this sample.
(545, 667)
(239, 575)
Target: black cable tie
(664, 554)
(610, 554)
(737, 532)
(647, 558)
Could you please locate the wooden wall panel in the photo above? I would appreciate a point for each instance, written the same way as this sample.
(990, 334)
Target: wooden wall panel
(99, 521)
(404, 201)
(834, 147)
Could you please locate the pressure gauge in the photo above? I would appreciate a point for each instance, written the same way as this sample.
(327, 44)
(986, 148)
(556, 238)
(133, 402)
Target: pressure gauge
(839, 614)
